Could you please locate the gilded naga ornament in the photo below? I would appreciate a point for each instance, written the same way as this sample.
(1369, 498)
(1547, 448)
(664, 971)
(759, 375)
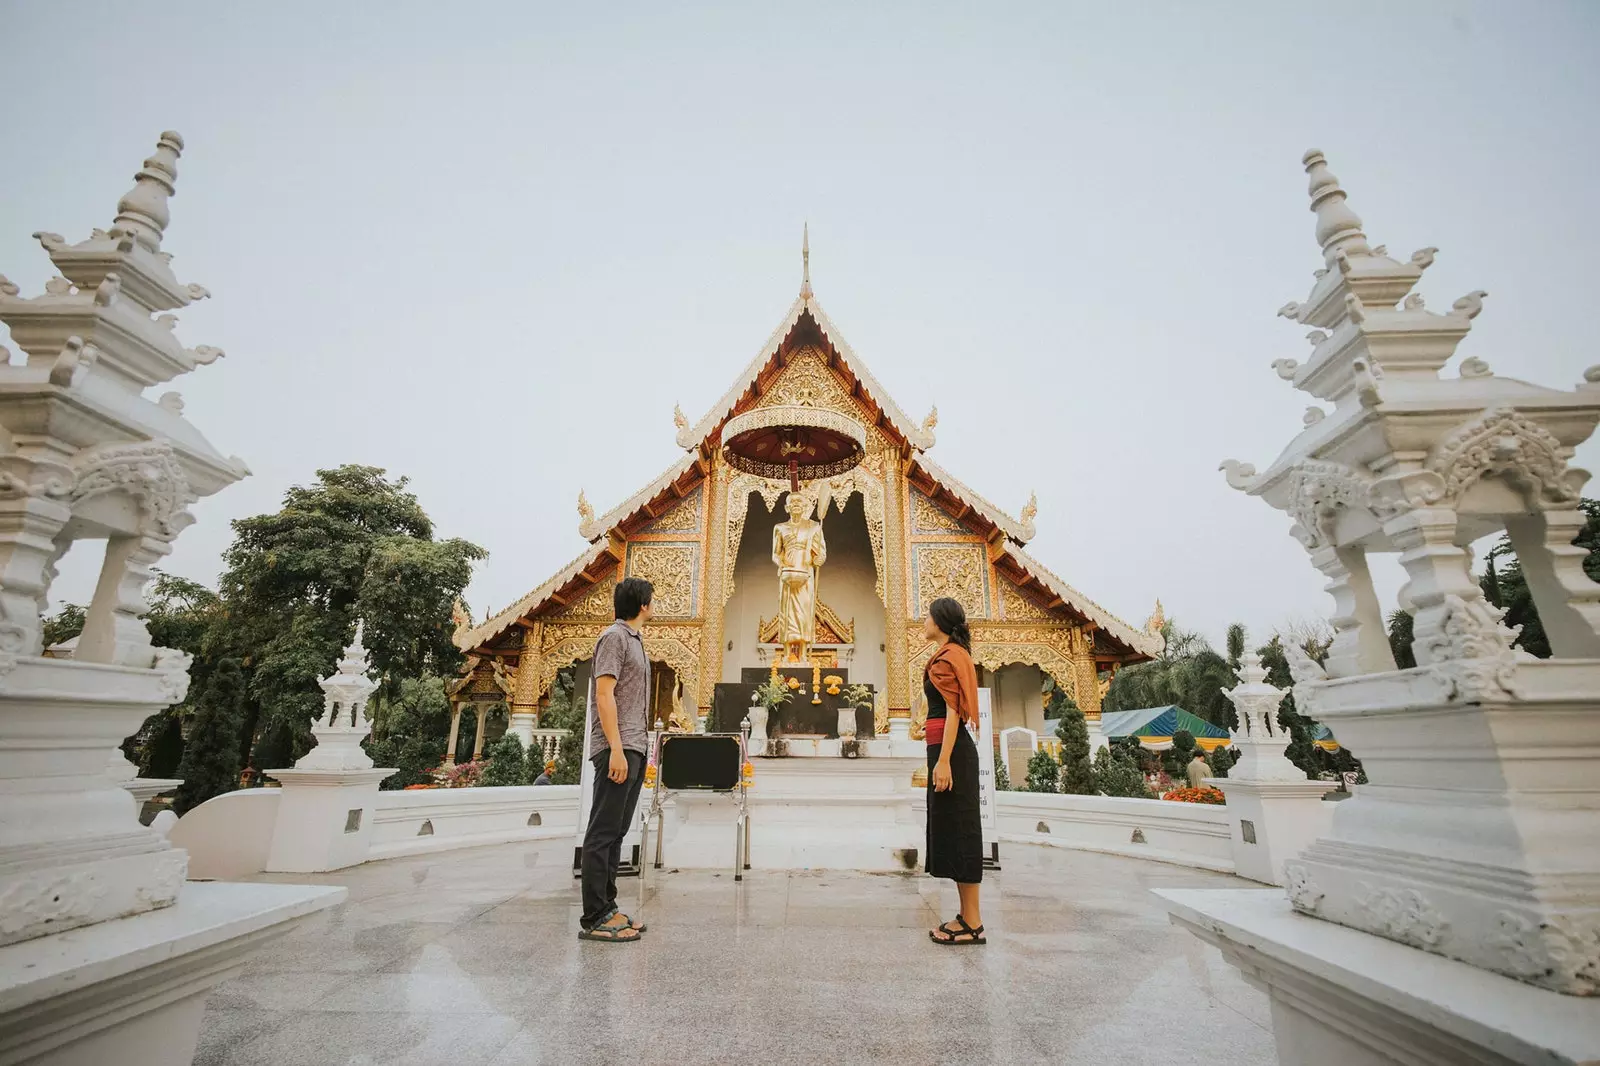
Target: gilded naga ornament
(799, 552)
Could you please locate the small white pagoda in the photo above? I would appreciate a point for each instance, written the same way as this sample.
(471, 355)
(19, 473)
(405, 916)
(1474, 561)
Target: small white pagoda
(325, 814)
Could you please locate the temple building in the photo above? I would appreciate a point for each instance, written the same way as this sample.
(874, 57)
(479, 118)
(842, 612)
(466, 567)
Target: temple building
(734, 564)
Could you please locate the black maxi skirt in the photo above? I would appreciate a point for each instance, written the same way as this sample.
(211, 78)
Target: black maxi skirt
(955, 822)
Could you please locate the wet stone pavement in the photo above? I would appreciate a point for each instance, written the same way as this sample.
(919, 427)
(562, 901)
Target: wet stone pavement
(471, 958)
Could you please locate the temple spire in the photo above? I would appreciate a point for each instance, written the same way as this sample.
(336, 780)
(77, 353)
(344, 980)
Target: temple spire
(1338, 226)
(805, 261)
(142, 214)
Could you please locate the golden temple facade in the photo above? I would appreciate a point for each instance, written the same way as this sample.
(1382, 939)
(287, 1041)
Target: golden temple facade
(901, 532)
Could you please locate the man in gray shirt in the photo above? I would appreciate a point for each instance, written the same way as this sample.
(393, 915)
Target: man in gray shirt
(619, 718)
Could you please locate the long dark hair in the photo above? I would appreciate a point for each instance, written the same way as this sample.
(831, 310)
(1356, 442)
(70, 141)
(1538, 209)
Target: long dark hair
(951, 620)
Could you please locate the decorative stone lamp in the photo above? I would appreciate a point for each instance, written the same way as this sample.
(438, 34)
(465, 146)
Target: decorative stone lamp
(325, 815)
(85, 455)
(1478, 836)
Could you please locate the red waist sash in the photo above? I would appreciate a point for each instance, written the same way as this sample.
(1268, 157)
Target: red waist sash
(933, 729)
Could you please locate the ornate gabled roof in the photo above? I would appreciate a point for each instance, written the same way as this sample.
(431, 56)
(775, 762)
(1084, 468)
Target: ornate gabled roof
(1016, 529)
(496, 624)
(1146, 644)
(593, 528)
(805, 306)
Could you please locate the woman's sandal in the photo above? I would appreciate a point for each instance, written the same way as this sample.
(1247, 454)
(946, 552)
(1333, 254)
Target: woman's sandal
(965, 935)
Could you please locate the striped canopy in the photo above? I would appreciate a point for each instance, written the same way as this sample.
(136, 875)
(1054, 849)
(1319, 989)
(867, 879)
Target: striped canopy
(1154, 727)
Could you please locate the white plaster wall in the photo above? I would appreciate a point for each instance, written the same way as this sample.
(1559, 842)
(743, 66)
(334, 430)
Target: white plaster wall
(847, 585)
(229, 836)
(1189, 834)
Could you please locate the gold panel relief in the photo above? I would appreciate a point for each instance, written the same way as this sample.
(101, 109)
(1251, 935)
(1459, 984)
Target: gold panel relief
(671, 569)
(1018, 608)
(959, 571)
(596, 603)
(929, 517)
(681, 517)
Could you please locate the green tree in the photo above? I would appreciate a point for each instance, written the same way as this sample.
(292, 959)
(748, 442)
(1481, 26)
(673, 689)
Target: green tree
(1506, 586)
(352, 544)
(211, 761)
(1175, 760)
(1002, 780)
(1116, 773)
(508, 763)
(415, 728)
(567, 708)
(1222, 760)
(1043, 772)
(63, 625)
(1400, 638)
(180, 615)
(1236, 643)
(1077, 772)
(1188, 674)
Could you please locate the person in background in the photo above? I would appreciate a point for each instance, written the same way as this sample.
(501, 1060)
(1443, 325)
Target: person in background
(1198, 770)
(545, 778)
(955, 823)
(619, 719)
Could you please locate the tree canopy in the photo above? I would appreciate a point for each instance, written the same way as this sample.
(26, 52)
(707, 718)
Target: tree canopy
(353, 544)
(1188, 674)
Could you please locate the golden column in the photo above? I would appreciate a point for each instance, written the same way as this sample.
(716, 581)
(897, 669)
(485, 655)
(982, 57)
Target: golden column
(525, 694)
(1087, 672)
(714, 570)
(898, 613)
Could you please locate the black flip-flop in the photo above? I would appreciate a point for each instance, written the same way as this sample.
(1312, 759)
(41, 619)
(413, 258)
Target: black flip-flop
(966, 934)
(641, 926)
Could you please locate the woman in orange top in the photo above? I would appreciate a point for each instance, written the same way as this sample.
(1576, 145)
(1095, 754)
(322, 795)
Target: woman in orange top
(955, 823)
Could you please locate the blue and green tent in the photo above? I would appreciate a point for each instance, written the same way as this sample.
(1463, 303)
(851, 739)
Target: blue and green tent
(1154, 727)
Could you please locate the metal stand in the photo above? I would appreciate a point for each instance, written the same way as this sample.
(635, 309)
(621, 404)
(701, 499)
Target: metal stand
(991, 861)
(656, 813)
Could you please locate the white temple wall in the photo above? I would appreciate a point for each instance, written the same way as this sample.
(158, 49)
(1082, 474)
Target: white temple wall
(847, 584)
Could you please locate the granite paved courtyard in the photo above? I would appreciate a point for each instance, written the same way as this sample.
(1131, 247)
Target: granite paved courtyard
(471, 957)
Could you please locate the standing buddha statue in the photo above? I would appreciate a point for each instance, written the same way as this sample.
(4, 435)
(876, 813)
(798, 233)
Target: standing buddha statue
(799, 552)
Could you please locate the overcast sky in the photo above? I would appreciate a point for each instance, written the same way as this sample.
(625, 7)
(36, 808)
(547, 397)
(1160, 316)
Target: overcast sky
(487, 247)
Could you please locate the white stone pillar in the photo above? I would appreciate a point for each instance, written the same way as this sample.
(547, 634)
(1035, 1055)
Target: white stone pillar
(521, 724)
(325, 814)
(1273, 810)
(1097, 735)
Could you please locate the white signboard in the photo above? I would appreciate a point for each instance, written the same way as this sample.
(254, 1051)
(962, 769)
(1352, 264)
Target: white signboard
(586, 771)
(986, 791)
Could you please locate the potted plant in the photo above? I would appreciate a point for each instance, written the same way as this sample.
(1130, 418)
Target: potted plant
(768, 697)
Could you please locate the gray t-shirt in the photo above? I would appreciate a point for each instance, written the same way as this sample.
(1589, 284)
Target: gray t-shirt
(620, 654)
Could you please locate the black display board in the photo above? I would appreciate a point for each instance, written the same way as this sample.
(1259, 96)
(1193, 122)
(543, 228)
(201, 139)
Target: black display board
(699, 761)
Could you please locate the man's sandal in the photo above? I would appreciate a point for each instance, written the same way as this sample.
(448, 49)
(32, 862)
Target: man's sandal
(612, 934)
(965, 935)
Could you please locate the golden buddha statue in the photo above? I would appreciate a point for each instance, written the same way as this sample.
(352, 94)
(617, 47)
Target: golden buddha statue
(799, 552)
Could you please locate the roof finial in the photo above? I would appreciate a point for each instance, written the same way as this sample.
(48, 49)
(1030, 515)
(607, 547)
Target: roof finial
(1030, 510)
(585, 512)
(142, 214)
(1338, 226)
(679, 419)
(805, 261)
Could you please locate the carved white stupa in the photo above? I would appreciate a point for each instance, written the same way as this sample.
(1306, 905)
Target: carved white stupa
(344, 723)
(1261, 742)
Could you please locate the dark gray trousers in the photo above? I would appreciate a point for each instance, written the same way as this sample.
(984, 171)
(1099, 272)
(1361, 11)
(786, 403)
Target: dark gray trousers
(610, 812)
